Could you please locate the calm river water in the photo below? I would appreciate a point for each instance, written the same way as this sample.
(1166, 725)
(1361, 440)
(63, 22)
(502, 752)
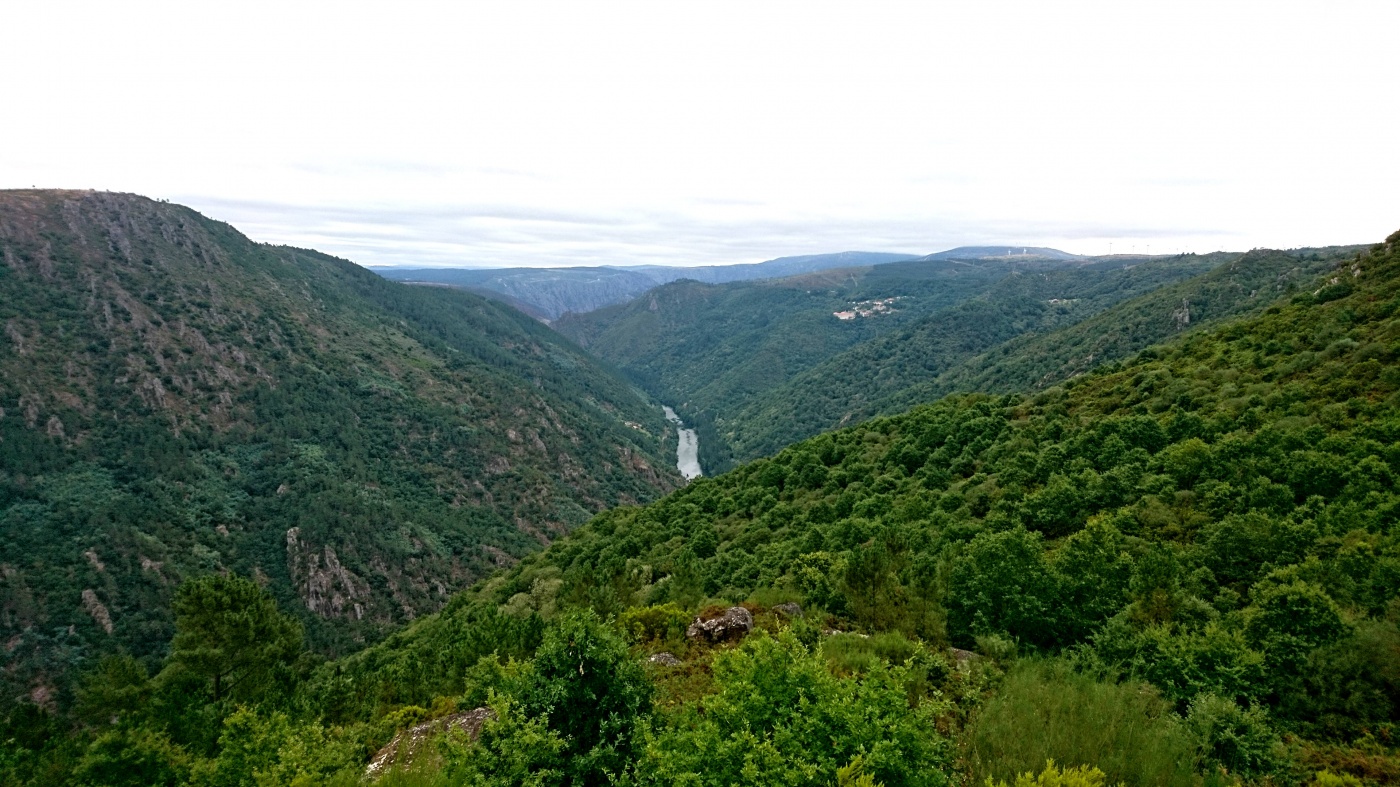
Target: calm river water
(688, 450)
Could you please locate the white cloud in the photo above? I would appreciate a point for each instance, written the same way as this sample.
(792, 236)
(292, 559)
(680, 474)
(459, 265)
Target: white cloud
(619, 133)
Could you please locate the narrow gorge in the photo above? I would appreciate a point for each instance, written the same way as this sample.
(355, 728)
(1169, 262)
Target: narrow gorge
(687, 447)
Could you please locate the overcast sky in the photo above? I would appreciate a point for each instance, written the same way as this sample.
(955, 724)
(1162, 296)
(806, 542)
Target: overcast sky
(492, 134)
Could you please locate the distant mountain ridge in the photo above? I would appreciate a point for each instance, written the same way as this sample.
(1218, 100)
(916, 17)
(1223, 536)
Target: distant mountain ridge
(775, 268)
(1016, 253)
(548, 293)
(552, 292)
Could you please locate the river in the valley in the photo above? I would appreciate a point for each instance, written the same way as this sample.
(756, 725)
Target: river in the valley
(687, 448)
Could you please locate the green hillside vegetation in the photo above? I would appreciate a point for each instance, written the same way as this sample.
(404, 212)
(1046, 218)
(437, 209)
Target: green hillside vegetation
(705, 347)
(1239, 285)
(1026, 333)
(697, 344)
(1179, 569)
(712, 350)
(177, 400)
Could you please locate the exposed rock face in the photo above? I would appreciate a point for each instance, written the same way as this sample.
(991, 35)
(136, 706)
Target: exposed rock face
(734, 624)
(1182, 316)
(401, 749)
(962, 658)
(97, 610)
(663, 659)
(790, 609)
(328, 588)
(839, 633)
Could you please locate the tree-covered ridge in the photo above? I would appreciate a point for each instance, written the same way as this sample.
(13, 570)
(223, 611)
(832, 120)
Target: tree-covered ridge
(176, 399)
(700, 343)
(722, 354)
(1215, 517)
(1026, 333)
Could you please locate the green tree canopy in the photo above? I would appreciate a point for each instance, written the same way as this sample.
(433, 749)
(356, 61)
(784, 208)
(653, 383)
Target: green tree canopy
(230, 632)
(591, 692)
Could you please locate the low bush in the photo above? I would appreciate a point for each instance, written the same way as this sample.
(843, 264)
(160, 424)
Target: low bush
(1046, 712)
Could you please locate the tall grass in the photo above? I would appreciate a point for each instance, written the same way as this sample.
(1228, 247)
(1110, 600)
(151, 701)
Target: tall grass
(850, 654)
(1045, 711)
(419, 775)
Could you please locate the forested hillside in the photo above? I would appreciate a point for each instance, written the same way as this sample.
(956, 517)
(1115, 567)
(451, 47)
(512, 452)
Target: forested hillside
(1026, 333)
(696, 342)
(756, 367)
(176, 400)
(1181, 569)
(710, 349)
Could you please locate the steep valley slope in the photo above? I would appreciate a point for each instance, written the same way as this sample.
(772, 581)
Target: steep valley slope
(832, 342)
(1027, 333)
(176, 399)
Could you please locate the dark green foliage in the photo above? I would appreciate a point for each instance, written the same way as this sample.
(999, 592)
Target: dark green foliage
(780, 717)
(1287, 622)
(1351, 686)
(752, 386)
(136, 757)
(1044, 711)
(1234, 739)
(35, 747)
(440, 657)
(590, 693)
(1003, 583)
(118, 686)
(1184, 662)
(1235, 284)
(1006, 582)
(229, 632)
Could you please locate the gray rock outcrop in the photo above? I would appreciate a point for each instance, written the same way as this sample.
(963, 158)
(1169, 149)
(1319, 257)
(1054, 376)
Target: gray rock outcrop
(401, 749)
(962, 658)
(735, 623)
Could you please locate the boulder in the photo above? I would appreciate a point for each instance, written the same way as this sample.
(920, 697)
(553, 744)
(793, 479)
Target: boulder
(734, 624)
(664, 659)
(790, 609)
(839, 633)
(962, 658)
(401, 749)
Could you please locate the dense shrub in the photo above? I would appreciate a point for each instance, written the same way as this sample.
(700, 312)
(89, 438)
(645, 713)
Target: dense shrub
(1043, 711)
